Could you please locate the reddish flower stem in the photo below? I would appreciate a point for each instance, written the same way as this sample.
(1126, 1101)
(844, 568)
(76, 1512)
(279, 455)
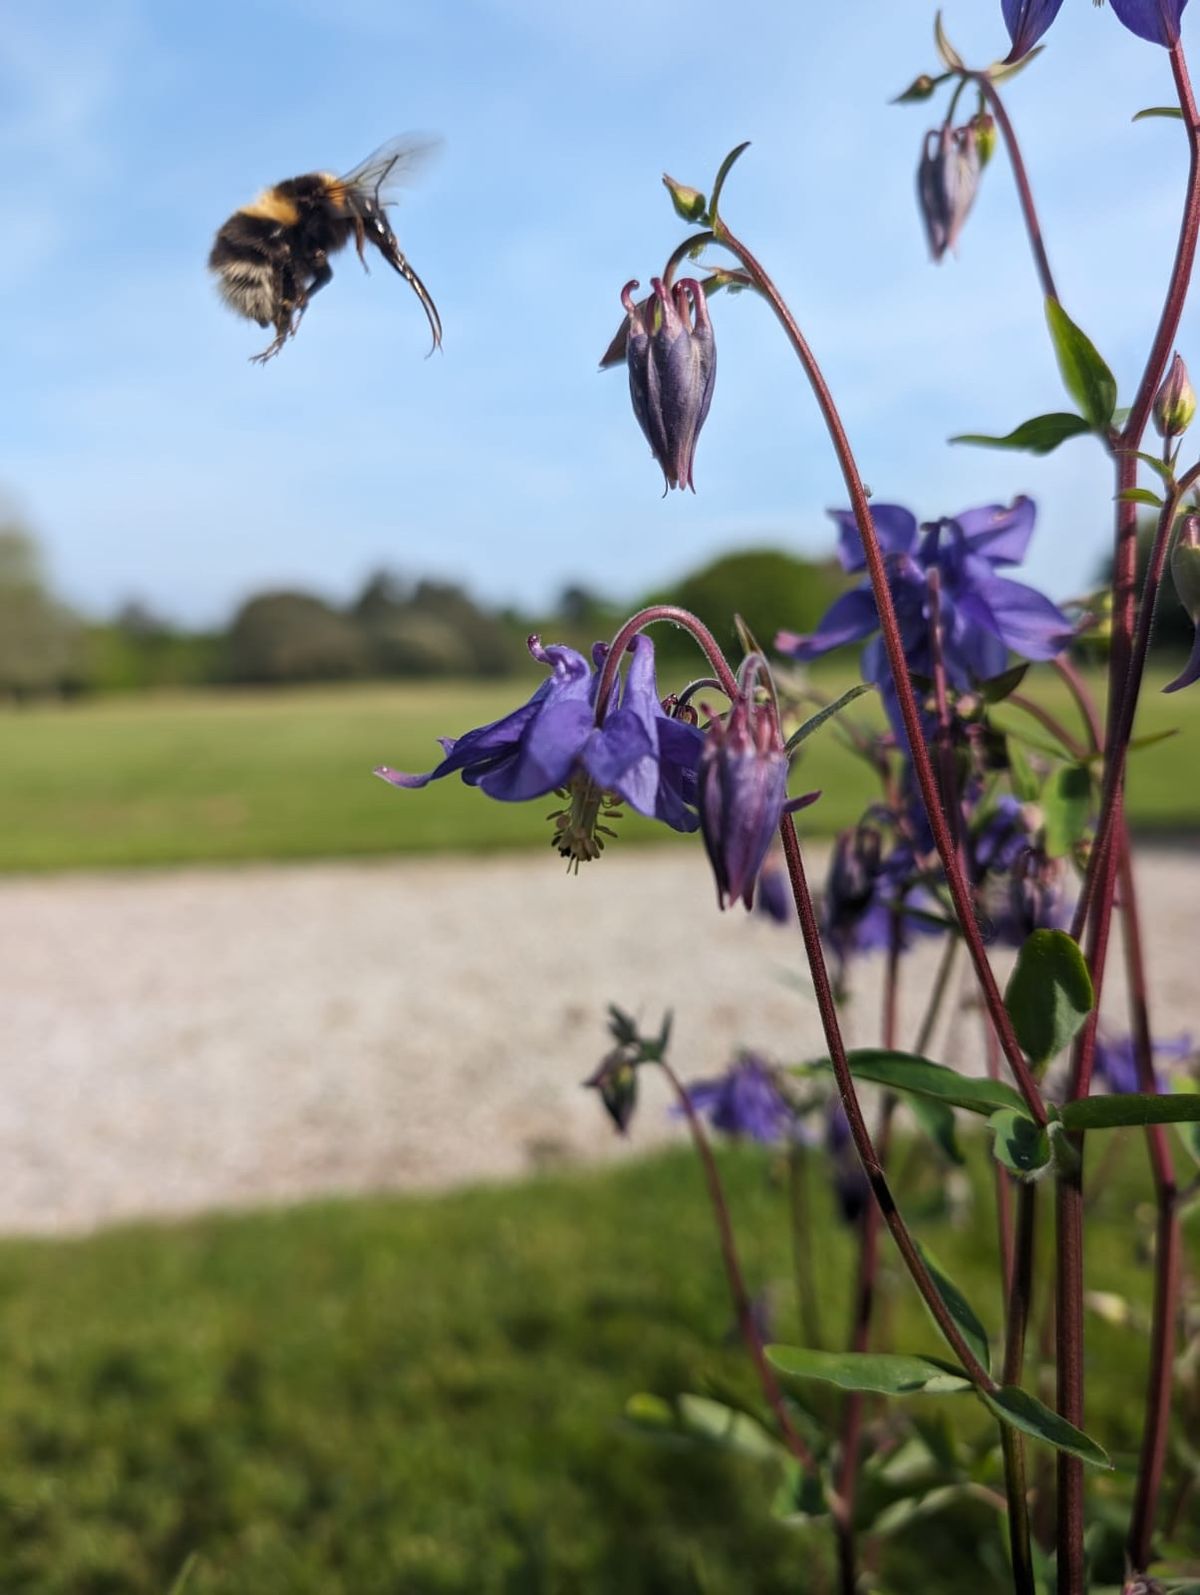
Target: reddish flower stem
(889, 627)
(865, 1286)
(1020, 1296)
(708, 644)
(1156, 1429)
(737, 1283)
(1021, 177)
(861, 1136)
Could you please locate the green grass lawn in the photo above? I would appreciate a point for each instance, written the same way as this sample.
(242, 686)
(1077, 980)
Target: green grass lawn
(258, 775)
(423, 1396)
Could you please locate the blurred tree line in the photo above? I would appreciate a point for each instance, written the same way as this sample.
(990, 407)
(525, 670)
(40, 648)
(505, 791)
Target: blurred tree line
(394, 628)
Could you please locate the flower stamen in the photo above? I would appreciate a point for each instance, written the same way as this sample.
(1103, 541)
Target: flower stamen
(578, 829)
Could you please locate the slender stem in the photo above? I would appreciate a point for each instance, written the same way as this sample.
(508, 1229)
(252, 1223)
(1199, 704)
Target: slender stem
(1156, 1428)
(679, 255)
(1126, 695)
(1078, 688)
(737, 1283)
(1049, 722)
(1021, 177)
(1020, 1296)
(859, 1133)
(894, 647)
(1181, 271)
(1003, 1181)
(868, 1270)
(638, 623)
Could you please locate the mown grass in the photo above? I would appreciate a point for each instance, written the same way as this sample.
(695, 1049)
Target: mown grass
(275, 775)
(424, 1396)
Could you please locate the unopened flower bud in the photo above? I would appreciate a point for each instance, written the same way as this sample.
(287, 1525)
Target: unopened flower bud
(741, 792)
(616, 1081)
(1175, 402)
(947, 178)
(672, 361)
(690, 204)
(985, 137)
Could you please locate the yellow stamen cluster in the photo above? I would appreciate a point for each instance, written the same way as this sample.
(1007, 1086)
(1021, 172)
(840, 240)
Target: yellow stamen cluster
(579, 830)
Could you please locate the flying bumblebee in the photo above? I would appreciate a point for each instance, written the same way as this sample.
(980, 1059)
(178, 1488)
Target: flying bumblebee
(272, 255)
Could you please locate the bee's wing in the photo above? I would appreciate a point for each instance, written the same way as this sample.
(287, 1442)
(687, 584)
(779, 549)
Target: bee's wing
(393, 165)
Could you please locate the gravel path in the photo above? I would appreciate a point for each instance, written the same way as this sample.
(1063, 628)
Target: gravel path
(203, 1038)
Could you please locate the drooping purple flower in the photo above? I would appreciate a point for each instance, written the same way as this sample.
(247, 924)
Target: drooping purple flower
(1185, 573)
(947, 179)
(983, 614)
(1155, 20)
(1116, 1061)
(746, 1101)
(638, 754)
(742, 787)
(672, 359)
(873, 895)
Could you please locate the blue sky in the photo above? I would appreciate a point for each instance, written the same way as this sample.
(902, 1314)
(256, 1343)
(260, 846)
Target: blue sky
(154, 460)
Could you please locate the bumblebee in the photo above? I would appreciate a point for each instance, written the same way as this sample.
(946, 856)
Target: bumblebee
(272, 255)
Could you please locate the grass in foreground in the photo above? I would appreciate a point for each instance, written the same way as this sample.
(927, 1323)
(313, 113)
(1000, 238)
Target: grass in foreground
(419, 1397)
(287, 774)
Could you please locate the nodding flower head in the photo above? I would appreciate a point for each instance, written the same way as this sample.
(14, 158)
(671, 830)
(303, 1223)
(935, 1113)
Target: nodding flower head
(1185, 573)
(1019, 886)
(637, 754)
(947, 178)
(672, 361)
(742, 788)
(616, 1081)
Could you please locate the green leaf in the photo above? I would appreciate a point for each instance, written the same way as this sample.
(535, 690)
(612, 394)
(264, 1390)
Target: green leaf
(1049, 994)
(906, 1072)
(910, 1508)
(1086, 377)
(937, 1120)
(827, 713)
(945, 49)
(1158, 110)
(1020, 1410)
(1140, 495)
(1134, 1107)
(884, 1373)
(1021, 1145)
(1025, 784)
(700, 1418)
(1155, 464)
(1067, 805)
(1042, 435)
(183, 1577)
(959, 1308)
(1151, 739)
(997, 688)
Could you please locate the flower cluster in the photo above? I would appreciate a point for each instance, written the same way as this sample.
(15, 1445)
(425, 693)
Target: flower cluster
(746, 1102)
(874, 894)
(983, 615)
(1020, 888)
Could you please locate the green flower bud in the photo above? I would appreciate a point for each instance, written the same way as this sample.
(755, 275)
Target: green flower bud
(985, 137)
(1175, 402)
(690, 204)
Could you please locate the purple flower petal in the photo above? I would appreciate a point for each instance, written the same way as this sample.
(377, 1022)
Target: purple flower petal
(895, 527)
(1026, 21)
(849, 618)
(1028, 623)
(1190, 671)
(1000, 533)
(1155, 20)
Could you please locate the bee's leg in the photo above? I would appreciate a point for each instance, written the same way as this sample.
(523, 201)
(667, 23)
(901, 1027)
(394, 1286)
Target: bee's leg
(322, 274)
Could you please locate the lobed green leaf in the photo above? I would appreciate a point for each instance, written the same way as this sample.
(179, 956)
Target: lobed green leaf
(1049, 994)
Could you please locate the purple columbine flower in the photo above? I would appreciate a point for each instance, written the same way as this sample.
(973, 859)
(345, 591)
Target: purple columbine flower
(773, 898)
(1155, 20)
(552, 743)
(947, 179)
(1185, 573)
(672, 361)
(746, 1101)
(984, 615)
(742, 790)
(872, 895)
(1116, 1063)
